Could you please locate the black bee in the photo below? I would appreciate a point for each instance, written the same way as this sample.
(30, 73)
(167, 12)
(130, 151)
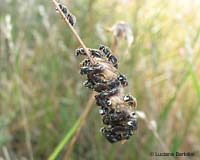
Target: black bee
(86, 70)
(107, 94)
(93, 52)
(85, 62)
(71, 18)
(123, 80)
(113, 117)
(133, 121)
(103, 110)
(130, 100)
(63, 8)
(110, 135)
(88, 84)
(80, 51)
(99, 87)
(116, 133)
(133, 124)
(95, 69)
(103, 102)
(109, 55)
(95, 79)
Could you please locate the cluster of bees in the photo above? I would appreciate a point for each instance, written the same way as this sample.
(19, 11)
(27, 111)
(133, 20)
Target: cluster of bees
(116, 108)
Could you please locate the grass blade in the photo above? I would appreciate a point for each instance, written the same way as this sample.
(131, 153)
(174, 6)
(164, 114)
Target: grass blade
(64, 140)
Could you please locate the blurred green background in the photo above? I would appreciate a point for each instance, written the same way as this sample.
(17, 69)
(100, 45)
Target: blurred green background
(41, 91)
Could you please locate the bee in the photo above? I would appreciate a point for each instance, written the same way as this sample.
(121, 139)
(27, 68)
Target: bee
(85, 62)
(114, 117)
(93, 52)
(109, 55)
(111, 84)
(103, 110)
(71, 18)
(116, 133)
(123, 80)
(63, 9)
(95, 69)
(130, 100)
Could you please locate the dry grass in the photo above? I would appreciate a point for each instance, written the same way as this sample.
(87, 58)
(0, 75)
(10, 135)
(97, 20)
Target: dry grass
(41, 92)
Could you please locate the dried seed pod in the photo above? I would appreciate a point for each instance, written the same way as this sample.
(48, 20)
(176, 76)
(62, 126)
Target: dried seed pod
(122, 30)
(117, 108)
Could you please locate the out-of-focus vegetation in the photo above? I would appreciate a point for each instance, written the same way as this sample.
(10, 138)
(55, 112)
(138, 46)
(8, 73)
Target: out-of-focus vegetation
(41, 92)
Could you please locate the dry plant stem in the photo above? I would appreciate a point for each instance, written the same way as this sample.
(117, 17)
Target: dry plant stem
(156, 134)
(91, 98)
(75, 136)
(82, 121)
(27, 131)
(114, 44)
(74, 31)
(6, 154)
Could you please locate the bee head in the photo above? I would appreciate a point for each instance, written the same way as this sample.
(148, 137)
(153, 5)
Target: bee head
(122, 80)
